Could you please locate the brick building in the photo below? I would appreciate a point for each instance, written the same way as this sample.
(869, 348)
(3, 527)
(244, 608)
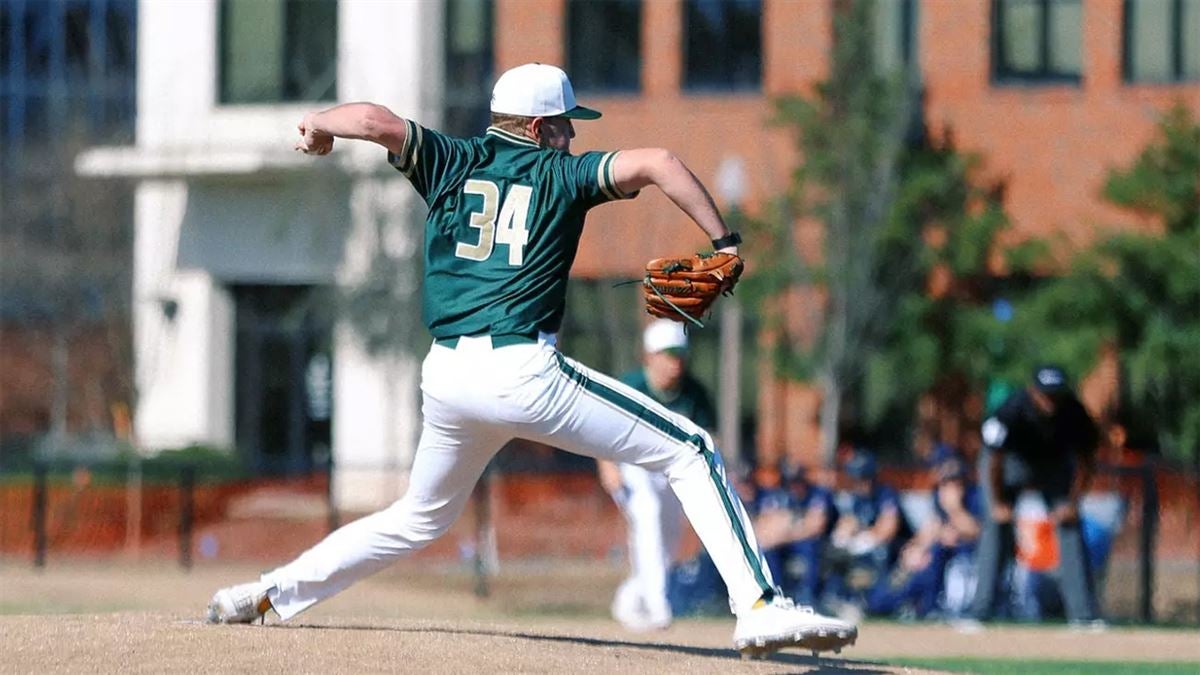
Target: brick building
(1050, 94)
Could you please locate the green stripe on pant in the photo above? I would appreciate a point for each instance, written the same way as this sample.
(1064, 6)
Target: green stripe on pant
(644, 414)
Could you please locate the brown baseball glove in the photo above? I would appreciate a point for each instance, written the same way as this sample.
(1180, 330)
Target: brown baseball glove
(683, 288)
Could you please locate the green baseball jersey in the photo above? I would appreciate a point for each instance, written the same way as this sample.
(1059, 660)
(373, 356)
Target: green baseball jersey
(691, 401)
(505, 217)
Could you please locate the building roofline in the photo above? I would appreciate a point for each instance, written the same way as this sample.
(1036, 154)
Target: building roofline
(202, 161)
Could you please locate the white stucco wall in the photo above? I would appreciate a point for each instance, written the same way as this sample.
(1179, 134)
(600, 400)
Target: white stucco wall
(183, 363)
(393, 57)
(215, 174)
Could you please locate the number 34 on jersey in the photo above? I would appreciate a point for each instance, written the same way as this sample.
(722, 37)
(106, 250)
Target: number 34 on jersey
(497, 223)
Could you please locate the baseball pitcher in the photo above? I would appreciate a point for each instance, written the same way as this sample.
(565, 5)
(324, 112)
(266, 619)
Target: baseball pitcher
(506, 211)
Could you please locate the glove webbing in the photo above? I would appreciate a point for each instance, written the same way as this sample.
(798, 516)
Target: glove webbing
(689, 317)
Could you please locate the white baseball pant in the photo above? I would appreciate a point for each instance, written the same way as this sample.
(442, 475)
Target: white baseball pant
(475, 399)
(653, 515)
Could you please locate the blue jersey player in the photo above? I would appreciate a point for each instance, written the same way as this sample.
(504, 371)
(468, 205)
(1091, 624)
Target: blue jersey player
(942, 549)
(868, 532)
(813, 515)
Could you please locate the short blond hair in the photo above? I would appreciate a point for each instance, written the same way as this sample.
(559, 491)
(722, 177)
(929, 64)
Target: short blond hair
(515, 124)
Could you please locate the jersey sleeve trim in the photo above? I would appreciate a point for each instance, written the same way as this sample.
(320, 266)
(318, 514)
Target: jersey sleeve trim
(606, 179)
(406, 161)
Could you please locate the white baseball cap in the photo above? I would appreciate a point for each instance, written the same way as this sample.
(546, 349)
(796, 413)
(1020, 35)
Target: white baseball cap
(663, 335)
(538, 90)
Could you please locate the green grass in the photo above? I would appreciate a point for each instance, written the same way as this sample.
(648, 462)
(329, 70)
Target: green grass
(1049, 667)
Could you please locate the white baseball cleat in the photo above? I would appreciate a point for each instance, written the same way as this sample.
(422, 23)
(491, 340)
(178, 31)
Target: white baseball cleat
(779, 624)
(631, 612)
(644, 623)
(968, 625)
(244, 603)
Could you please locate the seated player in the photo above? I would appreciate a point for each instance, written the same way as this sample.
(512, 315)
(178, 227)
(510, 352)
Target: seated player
(812, 517)
(942, 551)
(867, 535)
(769, 507)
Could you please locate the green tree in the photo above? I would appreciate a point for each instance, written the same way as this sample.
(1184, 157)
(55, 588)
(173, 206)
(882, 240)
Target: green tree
(896, 208)
(1138, 292)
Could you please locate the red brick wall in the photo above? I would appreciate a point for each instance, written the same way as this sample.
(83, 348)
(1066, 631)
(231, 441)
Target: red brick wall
(1054, 144)
(701, 129)
(95, 378)
(529, 30)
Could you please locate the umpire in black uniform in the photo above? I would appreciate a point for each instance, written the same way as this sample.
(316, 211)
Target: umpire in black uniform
(1040, 438)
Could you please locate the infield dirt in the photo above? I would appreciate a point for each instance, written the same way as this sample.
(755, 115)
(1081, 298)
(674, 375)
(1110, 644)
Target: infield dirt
(147, 618)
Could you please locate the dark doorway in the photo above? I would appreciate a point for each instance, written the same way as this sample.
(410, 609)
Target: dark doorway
(284, 377)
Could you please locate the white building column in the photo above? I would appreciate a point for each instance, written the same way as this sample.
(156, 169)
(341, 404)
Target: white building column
(376, 418)
(377, 407)
(252, 211)
(183, 343)
(391, 55)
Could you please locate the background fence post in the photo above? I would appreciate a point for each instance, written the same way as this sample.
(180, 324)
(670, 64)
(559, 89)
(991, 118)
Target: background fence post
(133, 508)
(1146, 542)
(482, 498)
(39, 514)
(1196, 479)
(187, 484)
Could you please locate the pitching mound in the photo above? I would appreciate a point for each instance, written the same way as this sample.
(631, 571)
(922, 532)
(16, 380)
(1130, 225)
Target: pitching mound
(106, 617)
(160, 642)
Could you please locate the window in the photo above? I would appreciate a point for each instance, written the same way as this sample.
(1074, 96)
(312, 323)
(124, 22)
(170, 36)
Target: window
(64, 66)
(468, 61)
(120, 38)
(37, 45)
(76, 47)
(604, 39)
(722, 45)
(275, 51)
(895, 35)
(1037, 40)
(283, 337)
(6, 26)
(8, 105)
(1162, 40)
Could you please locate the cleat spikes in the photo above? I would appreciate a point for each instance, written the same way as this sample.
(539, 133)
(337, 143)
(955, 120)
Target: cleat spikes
(782, 625)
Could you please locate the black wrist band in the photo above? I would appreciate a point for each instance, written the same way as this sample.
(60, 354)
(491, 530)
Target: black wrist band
(731, 239)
